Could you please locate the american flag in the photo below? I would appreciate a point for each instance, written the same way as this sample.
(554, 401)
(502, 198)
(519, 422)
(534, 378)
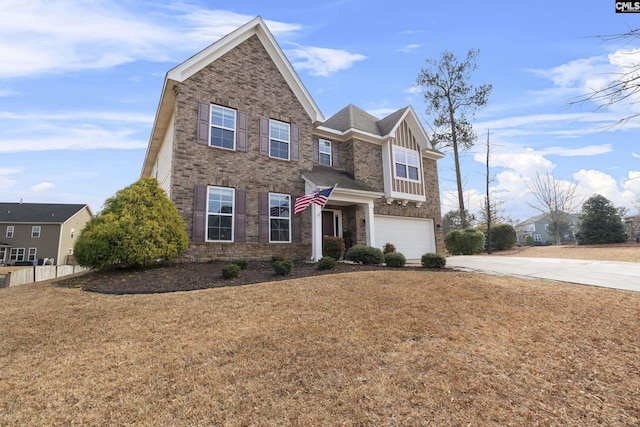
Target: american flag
(319, 197)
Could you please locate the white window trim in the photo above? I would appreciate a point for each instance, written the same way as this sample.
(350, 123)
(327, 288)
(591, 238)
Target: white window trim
(320, 153)
(407, 152)
(280, 140)
(33, 229)
(232, 215)
(19, 254)
(235, 124)
(278, 217)
(35, 253)
(10, 231)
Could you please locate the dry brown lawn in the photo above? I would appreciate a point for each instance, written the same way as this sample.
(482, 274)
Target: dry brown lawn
(373, 348)
(628, 252)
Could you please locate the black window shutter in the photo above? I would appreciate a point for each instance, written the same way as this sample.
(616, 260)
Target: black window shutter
(241, 129)
(241, 216)
(316, 150)
(335, 159)
(295, 143)
(203, 123)
(199, 213)
(263, 215)
(264, 136)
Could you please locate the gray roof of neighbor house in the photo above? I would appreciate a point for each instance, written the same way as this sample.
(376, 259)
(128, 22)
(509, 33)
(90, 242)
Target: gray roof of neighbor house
(326, 177)
(37, 212)
(352, 117)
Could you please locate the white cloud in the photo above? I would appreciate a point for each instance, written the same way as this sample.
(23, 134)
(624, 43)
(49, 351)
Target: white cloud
(5, 182)
(409, 48)
(321, 61)
(42, 187)
(637, 156)
(413, 89)
(593, 182)
(86, 137)
(590, 150)
(107, 116)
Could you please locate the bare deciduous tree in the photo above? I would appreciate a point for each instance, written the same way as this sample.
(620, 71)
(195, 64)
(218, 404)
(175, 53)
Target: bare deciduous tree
(450, 96)
(554, 197)
(623, 87)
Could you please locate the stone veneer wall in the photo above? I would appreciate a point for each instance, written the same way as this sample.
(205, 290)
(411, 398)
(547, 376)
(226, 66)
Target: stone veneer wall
(245, 79)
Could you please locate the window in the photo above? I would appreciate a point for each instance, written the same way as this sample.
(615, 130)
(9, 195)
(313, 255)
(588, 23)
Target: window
(73, 232)
(35, 231)
(279, 139)
(279, 218)
(325, 152)
(220, 214)
(16, 255)
(9, 231)
(406, 164)
(223, 127)
(32, 254)
(537, 237)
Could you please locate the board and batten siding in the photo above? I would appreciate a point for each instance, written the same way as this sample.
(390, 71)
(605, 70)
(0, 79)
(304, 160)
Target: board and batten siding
(405, 139)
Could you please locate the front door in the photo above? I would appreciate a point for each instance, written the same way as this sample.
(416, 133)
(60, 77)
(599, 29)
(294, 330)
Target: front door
(328, 224)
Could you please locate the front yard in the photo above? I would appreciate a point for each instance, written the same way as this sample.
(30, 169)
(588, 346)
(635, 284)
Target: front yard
(368, 348)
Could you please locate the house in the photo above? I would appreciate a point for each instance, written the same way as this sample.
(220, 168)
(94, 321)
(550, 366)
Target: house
(539, 228)
(237, 138)
(30, 232)
(632, 228)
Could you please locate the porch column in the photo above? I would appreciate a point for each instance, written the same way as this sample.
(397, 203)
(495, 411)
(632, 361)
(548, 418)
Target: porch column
(370, 224)
(316, 232)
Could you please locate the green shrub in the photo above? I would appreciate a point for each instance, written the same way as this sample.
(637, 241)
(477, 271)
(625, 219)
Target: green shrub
(333, 247)
(529, 240)
(283, 267)
(138, 227)
(433, 260)
(503, 236)
(465, 242)
(276, 258)
(326, 263)
(231, 271)
(364, 254)
(388, 248)
(242, 263)
(395, 259)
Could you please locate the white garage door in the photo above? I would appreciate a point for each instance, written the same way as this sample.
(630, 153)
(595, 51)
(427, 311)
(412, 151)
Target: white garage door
(413, 237)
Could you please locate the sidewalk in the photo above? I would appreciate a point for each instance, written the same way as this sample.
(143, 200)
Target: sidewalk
(609, 274)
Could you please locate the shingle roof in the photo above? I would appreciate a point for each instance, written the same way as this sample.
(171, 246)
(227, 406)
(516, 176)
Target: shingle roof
(352, 117)
(37, 212)
(327, 177)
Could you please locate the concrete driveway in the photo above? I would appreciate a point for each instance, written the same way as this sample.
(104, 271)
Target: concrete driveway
(609, 274)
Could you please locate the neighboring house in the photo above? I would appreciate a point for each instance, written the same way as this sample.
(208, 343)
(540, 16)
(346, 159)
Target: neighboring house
(37, 231)
(538, 227)
(237, 137)
(632, 228)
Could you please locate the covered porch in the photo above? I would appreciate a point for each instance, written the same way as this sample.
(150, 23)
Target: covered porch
(349, 211)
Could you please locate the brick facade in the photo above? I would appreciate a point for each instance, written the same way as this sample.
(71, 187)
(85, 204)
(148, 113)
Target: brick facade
(225, 82)
(247, 79)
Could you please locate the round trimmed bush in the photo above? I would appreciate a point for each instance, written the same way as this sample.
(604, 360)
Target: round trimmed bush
(433, 260)
(503, 236)
(395, 259)
(465, 242)
(231, 271)
(242, 263)
(364, 254)
(333, 247)
(283, 267)
(326, 263)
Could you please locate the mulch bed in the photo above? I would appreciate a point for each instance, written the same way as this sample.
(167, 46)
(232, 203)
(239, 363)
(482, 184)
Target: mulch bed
(193, 276)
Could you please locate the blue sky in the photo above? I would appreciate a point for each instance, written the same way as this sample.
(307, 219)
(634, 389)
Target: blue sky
(80, 83)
